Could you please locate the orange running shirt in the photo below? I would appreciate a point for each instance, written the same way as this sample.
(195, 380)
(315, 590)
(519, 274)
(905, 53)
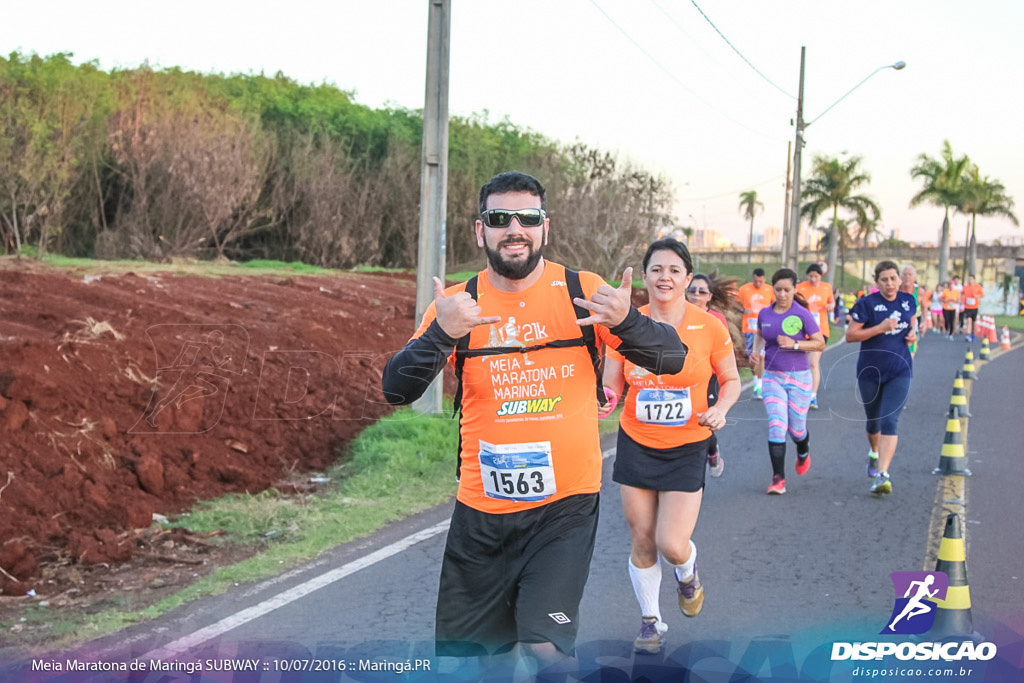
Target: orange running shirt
(662, 411)
(818, 299)
(529, 420)
(972, 296)
(926, 299)
(755, 299)
(950, 299)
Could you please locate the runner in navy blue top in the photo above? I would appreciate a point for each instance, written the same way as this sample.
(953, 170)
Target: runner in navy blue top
(883, 324)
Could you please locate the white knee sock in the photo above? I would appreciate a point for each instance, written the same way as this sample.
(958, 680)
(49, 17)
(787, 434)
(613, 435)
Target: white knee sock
(685, 570)
(646, 586)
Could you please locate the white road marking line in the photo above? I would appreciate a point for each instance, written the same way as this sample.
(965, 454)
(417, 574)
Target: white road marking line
(281, 599)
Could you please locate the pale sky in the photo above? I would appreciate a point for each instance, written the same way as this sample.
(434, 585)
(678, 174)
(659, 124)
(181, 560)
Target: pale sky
(650, 80)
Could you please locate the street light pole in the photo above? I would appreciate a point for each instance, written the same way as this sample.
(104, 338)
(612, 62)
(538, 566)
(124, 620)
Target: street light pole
(792, 257)
(785, 213)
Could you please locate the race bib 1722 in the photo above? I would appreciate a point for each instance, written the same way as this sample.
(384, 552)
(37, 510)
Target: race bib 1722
(668, 407)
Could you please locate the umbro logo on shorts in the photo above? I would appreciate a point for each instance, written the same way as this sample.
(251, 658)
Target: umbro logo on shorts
(560, 618)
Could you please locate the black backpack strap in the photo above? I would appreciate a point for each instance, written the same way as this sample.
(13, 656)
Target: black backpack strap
(589, 339)
(461, 352)
(572, 281)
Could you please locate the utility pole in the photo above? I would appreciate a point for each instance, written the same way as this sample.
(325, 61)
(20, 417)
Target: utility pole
(785, 212)
(801, 125)
(434, 179)
(798, 145)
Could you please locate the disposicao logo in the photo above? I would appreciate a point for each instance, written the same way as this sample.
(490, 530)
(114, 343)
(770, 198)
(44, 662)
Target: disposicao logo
(914, 612)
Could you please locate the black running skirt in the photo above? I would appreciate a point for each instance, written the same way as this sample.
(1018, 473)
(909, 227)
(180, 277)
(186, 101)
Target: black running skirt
(660, 469)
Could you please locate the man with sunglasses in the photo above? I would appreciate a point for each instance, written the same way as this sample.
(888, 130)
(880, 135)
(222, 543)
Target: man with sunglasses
(522, 534)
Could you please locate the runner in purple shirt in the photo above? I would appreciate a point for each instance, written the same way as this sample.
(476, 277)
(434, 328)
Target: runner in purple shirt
(786, 331)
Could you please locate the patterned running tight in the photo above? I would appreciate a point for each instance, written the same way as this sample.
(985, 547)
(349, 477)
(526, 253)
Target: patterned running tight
(787, 396)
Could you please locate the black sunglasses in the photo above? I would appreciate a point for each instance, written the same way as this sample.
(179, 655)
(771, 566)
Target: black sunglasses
(694, 290)
(502, 218)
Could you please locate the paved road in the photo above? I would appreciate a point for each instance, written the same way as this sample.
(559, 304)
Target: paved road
(785, 576)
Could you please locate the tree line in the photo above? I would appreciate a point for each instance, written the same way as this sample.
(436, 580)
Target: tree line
(162, 164)
(949, 181)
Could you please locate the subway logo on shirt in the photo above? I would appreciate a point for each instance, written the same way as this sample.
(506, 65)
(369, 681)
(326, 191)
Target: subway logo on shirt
(529, 407)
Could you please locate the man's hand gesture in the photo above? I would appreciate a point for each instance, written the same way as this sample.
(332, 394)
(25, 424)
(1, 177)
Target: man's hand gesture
(459, 313)
(609, 305)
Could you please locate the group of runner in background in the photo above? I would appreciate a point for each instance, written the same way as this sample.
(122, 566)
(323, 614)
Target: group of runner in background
(522, 533)
(949, 309)
(786, 326)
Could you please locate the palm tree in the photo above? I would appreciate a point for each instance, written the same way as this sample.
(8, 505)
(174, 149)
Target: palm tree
(943, 185)
(748, 206)
(985, 197)
(867, 227)
(832, 185)
(842, 231)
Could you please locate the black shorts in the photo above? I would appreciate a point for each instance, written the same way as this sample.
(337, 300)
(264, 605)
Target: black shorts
(970, 313)
(516, 577)
(949, 316)
(670, 469)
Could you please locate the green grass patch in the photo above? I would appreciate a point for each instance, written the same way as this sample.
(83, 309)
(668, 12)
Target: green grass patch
(1014, 322)
(290, 266)
(180, 266)
(402, 464)
(460, 276)
(380, 269)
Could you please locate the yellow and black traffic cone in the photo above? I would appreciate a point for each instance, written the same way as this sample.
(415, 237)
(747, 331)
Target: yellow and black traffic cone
(953, 459)
(969, 369)
(983, 354)
(953, 614)
(958, 401)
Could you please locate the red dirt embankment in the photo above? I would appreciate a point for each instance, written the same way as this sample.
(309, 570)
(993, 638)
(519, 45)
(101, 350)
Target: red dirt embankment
(126, 395)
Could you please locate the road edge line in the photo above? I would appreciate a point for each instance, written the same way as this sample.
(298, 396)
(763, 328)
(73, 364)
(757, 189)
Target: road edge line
(292, 594)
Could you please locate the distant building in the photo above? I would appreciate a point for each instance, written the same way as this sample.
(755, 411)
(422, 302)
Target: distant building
(809, 238)
(709, 239)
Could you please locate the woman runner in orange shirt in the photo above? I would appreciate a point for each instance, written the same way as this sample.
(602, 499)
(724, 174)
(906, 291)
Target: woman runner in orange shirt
(664, 431)
(699, 293)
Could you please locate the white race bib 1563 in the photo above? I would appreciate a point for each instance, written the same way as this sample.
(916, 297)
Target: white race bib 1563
(517, 471)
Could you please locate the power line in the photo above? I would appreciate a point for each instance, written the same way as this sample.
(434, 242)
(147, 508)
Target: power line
(729, 43)
(735, 192)
(685, 33)
(676, 79)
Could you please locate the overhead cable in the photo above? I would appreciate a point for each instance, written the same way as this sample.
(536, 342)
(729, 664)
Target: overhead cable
(729, 43)
(678, 82)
